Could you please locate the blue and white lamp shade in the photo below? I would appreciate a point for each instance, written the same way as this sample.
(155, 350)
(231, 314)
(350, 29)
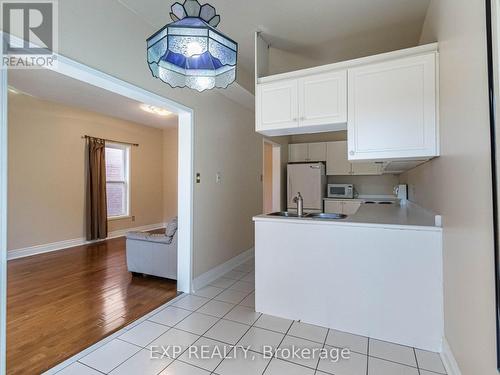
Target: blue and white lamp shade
(190, 52)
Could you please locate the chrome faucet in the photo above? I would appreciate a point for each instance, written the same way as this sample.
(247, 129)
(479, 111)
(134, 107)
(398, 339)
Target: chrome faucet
(300, 204)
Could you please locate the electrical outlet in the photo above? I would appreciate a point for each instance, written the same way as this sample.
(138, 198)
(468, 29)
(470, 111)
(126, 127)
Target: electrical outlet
(133, 217)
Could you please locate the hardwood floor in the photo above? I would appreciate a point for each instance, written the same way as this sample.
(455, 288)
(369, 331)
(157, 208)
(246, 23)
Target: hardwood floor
(62, 302)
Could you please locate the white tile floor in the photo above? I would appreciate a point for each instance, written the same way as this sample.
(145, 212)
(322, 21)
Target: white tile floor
(221, 315)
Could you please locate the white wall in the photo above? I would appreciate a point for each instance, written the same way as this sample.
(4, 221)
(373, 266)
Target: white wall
(109, 37)
(458, 184)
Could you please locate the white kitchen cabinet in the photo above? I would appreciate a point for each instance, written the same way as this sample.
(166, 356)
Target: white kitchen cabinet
(306, 152)
(316, 103)
(337, 163)
(342, 206)
(317, 151)
(298, 152)
(392, 109)
(336, 159)
(350, 208)
(333, 207)
(277, 106)
(323, 99)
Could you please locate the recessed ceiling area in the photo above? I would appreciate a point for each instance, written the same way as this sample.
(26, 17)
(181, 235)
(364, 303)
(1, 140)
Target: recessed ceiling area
(325, 31)
(48, 85)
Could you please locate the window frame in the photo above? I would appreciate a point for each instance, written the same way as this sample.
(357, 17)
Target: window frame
(126, 179)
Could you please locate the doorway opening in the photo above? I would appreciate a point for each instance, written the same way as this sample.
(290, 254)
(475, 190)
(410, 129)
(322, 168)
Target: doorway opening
(124, 206)
(271, 176)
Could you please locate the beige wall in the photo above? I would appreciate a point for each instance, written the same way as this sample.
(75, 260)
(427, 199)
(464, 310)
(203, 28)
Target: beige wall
(92, 32)
(458, 184)
(47, 171)
(281, 61)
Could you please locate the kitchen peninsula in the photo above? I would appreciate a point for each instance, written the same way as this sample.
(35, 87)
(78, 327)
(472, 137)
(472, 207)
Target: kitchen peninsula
(377, 273)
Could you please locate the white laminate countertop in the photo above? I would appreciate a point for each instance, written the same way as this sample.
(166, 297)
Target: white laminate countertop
(408, 216)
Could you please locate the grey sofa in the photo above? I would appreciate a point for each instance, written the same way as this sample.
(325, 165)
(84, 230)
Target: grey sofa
(153, 254)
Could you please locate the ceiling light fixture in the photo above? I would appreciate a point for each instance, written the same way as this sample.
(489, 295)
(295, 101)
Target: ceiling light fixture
(155, 110)
(190, 52)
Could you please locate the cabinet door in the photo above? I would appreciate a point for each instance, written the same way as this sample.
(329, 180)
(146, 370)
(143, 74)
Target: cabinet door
(277, 105)
(333, 207)
(366, 169)
(323, 99)
(336, 159)
(350, 208)
(297, 152)
(317, 151)
(392, 109)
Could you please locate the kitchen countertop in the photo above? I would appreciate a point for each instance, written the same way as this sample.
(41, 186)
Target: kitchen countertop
(396, 216)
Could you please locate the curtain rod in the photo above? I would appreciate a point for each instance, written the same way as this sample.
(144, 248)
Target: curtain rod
(113, 141)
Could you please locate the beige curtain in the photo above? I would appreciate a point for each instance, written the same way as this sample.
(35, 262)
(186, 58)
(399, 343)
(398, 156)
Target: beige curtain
(96, 210)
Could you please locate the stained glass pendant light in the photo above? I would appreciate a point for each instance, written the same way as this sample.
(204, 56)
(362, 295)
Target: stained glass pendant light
(190, 51)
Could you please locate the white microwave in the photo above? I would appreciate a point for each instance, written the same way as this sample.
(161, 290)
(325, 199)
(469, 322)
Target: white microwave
(340, 191)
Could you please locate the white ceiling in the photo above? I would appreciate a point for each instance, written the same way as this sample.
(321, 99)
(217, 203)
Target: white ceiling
(325, 30)
(55, 87)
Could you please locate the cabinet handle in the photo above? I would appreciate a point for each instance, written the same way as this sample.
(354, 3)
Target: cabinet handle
(302, 118)
(295, 119)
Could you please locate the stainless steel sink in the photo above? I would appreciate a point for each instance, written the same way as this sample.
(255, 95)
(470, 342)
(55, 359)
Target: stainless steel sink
(324, 216)
(284, 214)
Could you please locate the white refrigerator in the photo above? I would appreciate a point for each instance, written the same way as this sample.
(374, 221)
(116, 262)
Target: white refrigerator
(310, 180)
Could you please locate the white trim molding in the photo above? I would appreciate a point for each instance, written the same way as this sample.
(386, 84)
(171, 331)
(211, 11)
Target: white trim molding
(216, 272)
(3, 213)
(66, 244)
(449, 361)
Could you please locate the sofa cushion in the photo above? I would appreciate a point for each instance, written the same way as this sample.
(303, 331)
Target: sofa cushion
(171, 227)
(149, 237)
(142, 236)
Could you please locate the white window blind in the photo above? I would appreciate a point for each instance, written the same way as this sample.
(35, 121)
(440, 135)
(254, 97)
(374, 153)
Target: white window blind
(117, 180)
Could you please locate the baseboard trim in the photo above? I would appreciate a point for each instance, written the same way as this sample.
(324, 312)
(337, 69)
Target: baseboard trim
(216, 272)
(62, 245)
(449, 361)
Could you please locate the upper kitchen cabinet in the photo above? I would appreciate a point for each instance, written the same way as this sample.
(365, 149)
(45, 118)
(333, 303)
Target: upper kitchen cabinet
(387, 103)
(306, 152)
(277, 107)
(337, 163)
(316, 103)
(317, 151)
(392, 109)
(298, 152)
(323, 99)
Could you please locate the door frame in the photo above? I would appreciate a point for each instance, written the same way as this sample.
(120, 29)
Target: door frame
(276, 191)
(84, 73)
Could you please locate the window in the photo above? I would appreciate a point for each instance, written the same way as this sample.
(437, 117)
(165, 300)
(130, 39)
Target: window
(117, 180)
